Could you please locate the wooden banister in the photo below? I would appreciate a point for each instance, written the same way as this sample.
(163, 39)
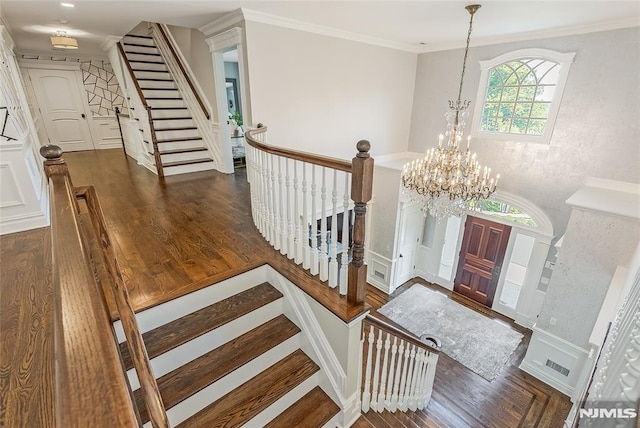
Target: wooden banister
(148, 384)
(329, 162)
(183, 69)
(91, 386)
(361, 170)
(118, 114)
(405, 335)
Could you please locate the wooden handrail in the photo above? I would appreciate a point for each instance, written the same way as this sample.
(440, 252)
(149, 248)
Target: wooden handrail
(405, 335)
(118, 114)
(88, 366)
(151, 393)
(183, 69)
(123, 55)
(329, 162)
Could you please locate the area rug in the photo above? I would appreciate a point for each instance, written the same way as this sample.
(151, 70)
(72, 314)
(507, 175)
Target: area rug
(480, 343)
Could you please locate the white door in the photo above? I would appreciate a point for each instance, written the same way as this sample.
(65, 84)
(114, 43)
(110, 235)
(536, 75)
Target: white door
(60, 102)
(411, 229)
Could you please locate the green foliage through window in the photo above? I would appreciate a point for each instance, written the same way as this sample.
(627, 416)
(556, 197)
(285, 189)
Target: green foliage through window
(519, 95)
(504, 211)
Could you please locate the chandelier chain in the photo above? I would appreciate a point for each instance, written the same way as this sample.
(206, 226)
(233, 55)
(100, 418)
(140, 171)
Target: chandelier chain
(466, 53)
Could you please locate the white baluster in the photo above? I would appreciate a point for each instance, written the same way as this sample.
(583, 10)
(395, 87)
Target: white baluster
(304, 238)
(275, 223)
(403, 379)
(394, 351)
(265, 197)
(281, 212)
(366, 395)
(407, 391)
(296, 216)
(333, 263)
(344, 262)
(432, 362)
(324, 260)
(314, 224)
(422, 385)
(417, 374)
(393, 405)
(376, 373)
(291, 227)
(382, 392)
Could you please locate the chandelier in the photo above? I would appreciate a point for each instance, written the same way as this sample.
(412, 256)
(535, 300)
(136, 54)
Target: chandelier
(448, 181)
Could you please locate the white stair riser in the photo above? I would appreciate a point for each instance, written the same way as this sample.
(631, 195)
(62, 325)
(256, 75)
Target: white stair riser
(185, 156)
(139, 65)
(184, 169)
(184, 133)
(150, 93)
(180, 145)
(156, 83)
(208, 395)
(166, 103)
(268, 414)
(135, 49)
(139, 40)
(177, 123)
(151, 75)
(142, 57)
(170, 113)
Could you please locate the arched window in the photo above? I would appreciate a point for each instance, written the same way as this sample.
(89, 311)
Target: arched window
(520, 94)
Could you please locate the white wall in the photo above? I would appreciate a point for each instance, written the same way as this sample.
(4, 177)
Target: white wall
(596, 133)
(322, 94)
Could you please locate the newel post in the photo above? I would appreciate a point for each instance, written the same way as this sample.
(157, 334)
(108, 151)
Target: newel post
(53, 164)
(361, 186)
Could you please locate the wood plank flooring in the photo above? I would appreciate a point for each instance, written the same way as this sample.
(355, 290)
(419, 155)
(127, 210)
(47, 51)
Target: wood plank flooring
(175, 236)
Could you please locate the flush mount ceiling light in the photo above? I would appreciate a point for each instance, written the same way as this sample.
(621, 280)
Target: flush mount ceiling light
(67, 4)
(60, 40)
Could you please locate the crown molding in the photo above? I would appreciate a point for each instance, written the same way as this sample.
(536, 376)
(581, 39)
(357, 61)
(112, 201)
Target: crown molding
(229, 20)
(109, 42)
(279, 21)
(6, 37)
(533, 35)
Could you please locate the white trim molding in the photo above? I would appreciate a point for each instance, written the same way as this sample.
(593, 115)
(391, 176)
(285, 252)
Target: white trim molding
(545, 347)
(563, 59)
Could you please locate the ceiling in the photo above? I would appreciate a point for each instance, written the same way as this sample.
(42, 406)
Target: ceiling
(418, 26)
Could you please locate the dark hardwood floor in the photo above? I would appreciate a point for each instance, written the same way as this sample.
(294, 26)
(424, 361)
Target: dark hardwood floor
(188, 232)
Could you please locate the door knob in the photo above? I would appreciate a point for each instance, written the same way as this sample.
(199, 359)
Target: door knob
(82, 115)
(400, 255)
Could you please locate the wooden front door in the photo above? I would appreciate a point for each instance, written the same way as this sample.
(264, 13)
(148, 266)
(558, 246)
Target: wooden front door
(483, 246)
(60, 102)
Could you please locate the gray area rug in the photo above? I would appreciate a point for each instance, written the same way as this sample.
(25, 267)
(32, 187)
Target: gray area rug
(474, 340)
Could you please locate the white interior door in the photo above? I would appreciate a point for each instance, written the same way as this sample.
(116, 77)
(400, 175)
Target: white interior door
(60, 102)
(411, 230)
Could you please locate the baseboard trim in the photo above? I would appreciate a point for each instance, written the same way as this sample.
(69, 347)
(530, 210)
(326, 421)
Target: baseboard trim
(23, 222)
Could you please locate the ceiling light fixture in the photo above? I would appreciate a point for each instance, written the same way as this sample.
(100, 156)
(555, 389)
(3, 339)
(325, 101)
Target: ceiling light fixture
(60, 40)
(67, 5)
(447, 181)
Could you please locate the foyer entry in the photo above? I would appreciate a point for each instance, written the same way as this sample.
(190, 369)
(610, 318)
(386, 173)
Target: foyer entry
(483, 248)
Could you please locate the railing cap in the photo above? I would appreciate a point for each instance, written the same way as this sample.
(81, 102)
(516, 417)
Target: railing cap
(363, 147)
(51, 152)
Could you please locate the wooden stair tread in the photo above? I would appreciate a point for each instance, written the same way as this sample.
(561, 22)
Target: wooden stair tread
(144, 53)
(150, 71)
(176, 151)
(180, 331)
(186, 162)
(249, 399)
(177, 140)
(143, 61)
(196, 375)
(139, 36)
(151, 79)
(138, 45)
(184, 128)
(313, 410)
(173, 118)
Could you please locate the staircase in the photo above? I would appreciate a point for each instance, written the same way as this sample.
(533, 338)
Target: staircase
(179, 141)
(227, 355)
